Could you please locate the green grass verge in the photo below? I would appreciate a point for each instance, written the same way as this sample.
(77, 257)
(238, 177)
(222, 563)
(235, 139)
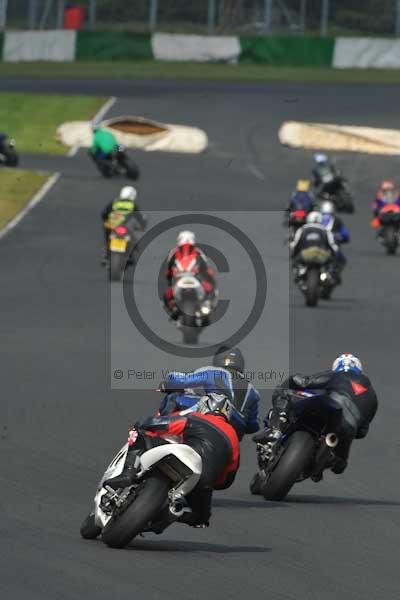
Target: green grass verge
(16, 189)
(195, 71)
(32, 119)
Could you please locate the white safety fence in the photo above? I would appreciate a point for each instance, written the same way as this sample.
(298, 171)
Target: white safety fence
(31, 46)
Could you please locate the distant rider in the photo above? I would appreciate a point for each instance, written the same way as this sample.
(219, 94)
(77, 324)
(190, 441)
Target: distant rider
(386, 194)
(226, 375)
(104, 143)
(323, 170)
(313, 233)
(347, 392)
(302, 198)
(333, 223)
(187, 257)
(124, 210)
(209, 433)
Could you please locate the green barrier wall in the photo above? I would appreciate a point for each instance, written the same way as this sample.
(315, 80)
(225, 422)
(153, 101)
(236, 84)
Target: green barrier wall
(287, 50)
(110, 45)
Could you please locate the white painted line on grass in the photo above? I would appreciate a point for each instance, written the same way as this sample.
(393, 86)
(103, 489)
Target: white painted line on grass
(31, 204)
(96, 119)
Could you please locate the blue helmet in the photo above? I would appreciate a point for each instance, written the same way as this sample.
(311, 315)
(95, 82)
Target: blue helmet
(347, 362)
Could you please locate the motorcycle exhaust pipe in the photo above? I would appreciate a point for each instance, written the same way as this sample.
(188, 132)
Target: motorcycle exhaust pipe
(331, 440)
(177, 508)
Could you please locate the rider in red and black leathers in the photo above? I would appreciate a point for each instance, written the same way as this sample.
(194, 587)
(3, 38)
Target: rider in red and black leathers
(209, 433)
(187, 257)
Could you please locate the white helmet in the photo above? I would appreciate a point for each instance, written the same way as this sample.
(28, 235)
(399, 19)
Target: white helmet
(347, 362)
(328, 208)
(320, 158)
(314, 217)
(186, 237)
(128, 193)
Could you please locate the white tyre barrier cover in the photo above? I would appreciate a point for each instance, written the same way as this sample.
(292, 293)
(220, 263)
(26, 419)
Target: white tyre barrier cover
(321, 136)
(196, 48)
(366, 53)
(169, 138)
(31, 46)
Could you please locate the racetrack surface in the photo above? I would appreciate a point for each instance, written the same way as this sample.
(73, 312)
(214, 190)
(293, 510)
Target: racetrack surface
(61, 423)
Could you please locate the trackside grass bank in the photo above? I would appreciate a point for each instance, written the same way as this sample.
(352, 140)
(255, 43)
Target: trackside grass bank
(32, 119)
(139, 69)
(16, 189)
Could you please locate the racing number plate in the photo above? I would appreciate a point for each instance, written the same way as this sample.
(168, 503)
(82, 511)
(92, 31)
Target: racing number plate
(117, 245)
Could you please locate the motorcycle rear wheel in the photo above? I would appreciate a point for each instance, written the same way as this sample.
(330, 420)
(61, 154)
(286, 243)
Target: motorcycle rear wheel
(117, 263)
(312, 290)
(390, 238)
(123, 527)
(295, 459)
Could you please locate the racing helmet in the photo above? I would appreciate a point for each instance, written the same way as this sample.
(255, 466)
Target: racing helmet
(347, 362)
(314, 217)
(327, 208)
(320, 158)
(216, 404)
(229, 357)
(186, 237)
(303, 185)
(128, 193)
(387, 185)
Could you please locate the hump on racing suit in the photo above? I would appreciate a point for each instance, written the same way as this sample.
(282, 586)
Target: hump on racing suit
(242, 393)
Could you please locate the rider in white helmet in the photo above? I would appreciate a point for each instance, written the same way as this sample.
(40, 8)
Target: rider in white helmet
(313, 233)
(125, 209)
(350, 401)
(322, 170)
(187, 257)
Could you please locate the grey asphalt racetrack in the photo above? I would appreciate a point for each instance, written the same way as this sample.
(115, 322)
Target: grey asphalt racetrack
(61, 423)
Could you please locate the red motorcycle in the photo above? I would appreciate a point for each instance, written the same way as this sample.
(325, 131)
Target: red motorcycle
(388, 224)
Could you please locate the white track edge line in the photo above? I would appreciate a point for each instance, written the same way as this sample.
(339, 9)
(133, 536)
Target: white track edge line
(31, 204)
(96, 119)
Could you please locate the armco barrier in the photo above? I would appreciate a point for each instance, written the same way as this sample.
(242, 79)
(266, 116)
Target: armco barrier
(110, 45)
(287, 50)
(293, 50)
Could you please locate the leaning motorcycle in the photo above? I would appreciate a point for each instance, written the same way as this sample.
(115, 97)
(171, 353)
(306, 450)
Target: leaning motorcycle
(334, 188)
(121, 246)
(8, 154)
(314, 275)
(303, 451)
(194, 308)
(117, 163)
(388, 221)
(156, 498)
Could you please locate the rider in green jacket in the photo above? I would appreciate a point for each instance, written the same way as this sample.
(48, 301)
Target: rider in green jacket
(104, 143)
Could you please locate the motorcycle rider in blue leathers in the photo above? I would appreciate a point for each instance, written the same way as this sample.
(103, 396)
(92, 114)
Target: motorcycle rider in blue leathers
(345, 389)
(184, 390)
(340, 232)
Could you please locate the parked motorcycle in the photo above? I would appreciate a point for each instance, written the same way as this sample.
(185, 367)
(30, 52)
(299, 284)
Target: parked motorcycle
(303, 451)
(314, 275)
(117, 163)
(388, 223)
(334, 188)
(156, 499)
(8, 154)
(193, 306)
